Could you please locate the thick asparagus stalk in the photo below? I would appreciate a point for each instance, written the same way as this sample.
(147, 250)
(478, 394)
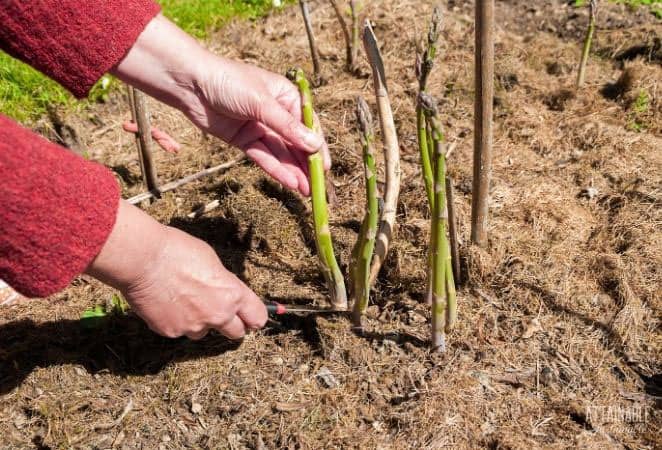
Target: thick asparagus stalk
(442, 283)
(366, 244)
(327, 258)
(439, 244)
(592, 8)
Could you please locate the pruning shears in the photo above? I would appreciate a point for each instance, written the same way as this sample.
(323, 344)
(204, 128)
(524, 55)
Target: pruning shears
(279, 309)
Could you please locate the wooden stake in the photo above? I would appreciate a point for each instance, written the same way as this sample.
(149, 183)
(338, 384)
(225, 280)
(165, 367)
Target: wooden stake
(484, 78)
(452, 230)
(182, 181)
(318, 80)
(391, 151)
(140, 116)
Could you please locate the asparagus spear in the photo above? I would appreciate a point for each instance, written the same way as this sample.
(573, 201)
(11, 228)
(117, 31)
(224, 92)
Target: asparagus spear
(327, 258)
(442, 284)
(365, 245)
(424, 63)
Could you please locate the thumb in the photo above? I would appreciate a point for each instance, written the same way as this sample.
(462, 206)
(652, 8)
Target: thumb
(275, 116)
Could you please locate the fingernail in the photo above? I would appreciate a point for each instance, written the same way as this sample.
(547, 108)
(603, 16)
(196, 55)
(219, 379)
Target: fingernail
(312, 140)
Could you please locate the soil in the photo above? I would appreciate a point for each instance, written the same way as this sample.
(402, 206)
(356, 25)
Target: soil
(558, 343)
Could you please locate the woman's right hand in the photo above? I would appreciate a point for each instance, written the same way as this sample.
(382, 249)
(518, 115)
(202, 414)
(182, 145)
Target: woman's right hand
(173, 281)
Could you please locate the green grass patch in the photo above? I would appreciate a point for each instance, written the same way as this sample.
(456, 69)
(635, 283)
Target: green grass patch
(638, 111)
(25, 93)
(199, 17)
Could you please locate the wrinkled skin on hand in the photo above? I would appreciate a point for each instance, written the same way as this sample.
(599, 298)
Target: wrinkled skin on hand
(260, 113)
(187, 292)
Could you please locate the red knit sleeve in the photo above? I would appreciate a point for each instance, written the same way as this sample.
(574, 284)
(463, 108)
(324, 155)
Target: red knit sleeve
(56, 211)
(73, 41)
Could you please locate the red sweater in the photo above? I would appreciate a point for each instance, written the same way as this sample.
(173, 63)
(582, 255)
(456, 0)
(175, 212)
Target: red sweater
(57, 209)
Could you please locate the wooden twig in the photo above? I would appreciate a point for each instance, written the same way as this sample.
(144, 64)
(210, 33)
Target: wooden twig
(318, 79)
(204, 209)
(452, 230)
(140, 116)
(182, 181)
(484, 78)
(391, 151)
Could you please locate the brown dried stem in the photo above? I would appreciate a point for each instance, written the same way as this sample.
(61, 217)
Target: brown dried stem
(182, 181)
(354, 57)
(345, 33)
(391, 151)
(140, 116)
(318, 79)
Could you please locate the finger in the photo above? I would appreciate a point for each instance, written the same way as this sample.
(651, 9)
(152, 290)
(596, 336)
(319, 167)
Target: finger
(291, 100)
(234, 329)
(196, 336)
(279, 119)
(288, 160)
(165, 141)
(250, 132)
(261, 155)
(251, 310)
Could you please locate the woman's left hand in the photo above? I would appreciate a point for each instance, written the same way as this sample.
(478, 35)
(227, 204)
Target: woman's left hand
(251, 108)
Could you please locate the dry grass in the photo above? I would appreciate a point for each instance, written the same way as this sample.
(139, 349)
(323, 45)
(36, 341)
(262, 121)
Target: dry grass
(560, 320)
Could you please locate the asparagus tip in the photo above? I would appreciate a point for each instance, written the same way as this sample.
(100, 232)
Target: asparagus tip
(293, 74)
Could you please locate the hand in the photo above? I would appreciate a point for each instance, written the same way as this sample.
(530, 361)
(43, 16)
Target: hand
(260, 113)
(174, 281)
(251, 108)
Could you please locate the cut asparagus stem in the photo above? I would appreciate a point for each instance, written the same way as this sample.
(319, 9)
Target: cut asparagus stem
(318, 79)
(327, 258)
(366, 243)
(391, 151)
(140, 116)
(592, 10)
